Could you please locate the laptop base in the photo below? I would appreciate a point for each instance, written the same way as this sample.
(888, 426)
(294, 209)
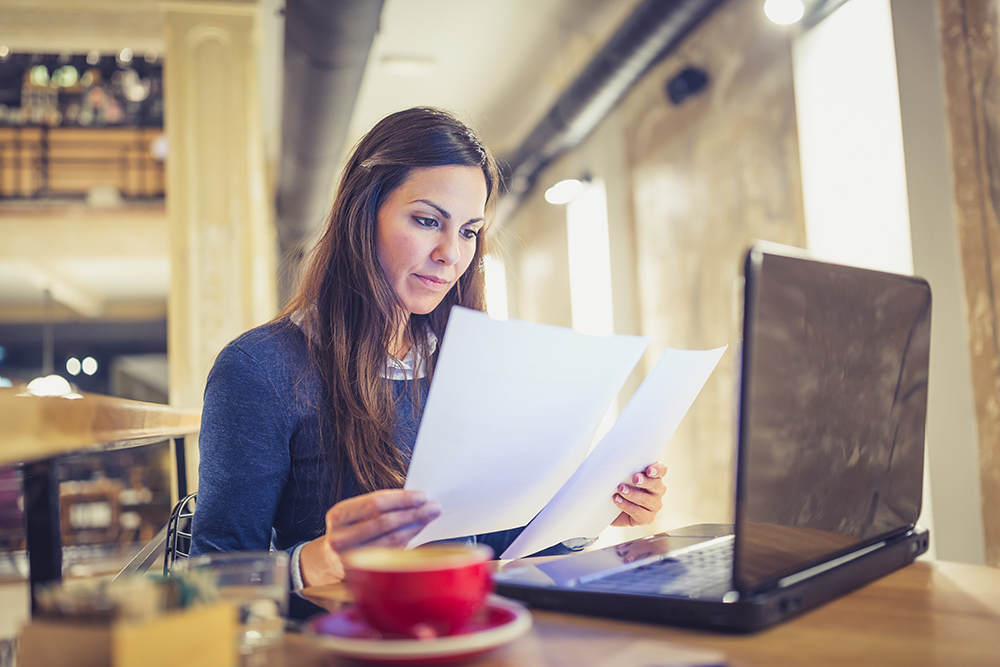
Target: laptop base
(749, 613)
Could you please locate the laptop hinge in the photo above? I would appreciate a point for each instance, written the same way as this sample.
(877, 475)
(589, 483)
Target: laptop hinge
(793, 579)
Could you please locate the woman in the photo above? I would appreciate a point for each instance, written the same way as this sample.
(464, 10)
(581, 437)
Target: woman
(309, 420)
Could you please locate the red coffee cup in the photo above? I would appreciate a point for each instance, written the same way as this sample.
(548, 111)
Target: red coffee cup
(425, 592)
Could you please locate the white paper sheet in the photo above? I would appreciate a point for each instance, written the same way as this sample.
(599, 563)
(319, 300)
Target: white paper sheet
(510, 415)
(583, 506)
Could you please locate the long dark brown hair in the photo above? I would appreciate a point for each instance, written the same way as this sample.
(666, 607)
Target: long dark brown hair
(350, 310)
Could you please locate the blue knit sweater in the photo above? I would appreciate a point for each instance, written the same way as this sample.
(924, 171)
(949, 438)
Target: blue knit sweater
(263, 479)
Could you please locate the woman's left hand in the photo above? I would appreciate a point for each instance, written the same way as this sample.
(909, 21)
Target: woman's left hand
(641, 497)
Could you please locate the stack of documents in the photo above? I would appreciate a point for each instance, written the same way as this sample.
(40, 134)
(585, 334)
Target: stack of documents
(511, 416)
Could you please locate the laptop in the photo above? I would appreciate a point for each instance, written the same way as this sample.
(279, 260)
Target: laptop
(829, 463)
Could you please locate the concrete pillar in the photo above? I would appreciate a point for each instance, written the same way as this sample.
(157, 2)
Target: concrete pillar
(970, 53)
(952, 442)
(222, 238)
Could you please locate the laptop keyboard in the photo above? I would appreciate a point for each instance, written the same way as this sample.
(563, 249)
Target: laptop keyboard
(699, 573)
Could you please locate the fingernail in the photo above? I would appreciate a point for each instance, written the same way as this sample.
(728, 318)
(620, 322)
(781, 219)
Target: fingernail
(623, 489)
(419, 497)
(637, 479)
(433, 510)
(619, 499)
(651, 471)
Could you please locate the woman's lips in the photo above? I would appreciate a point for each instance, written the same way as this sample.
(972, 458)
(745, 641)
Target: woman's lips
(430, 282)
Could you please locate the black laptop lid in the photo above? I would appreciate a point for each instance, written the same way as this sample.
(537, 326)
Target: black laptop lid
(832, 412)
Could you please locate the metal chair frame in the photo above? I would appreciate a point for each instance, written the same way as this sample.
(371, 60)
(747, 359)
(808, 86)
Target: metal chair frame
(178, 538)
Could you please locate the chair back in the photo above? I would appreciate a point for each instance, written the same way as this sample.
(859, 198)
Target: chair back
(178, 541)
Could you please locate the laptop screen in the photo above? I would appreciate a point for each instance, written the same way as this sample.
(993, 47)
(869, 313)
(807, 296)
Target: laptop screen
(834, 396)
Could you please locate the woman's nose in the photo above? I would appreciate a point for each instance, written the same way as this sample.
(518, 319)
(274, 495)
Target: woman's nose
(446, 251)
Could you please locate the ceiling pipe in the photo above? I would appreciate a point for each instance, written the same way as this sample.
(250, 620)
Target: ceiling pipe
(654, 29)
(326, 49)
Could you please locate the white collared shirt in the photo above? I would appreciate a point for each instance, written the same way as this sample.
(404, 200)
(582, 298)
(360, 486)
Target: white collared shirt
(408, 368)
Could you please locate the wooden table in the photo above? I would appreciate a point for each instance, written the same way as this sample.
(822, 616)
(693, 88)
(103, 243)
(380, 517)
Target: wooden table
(36, 430)
(930, 613)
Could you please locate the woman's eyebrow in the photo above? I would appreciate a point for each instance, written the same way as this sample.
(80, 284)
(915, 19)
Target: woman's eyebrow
(444, 214)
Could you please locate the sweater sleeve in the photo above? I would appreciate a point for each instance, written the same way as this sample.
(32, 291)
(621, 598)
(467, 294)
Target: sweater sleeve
(245, 462)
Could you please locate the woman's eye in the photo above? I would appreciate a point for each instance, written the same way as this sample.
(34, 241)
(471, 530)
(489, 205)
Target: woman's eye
(470, 233)
(426, 222)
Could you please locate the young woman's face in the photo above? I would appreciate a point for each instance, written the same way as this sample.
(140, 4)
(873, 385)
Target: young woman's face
(427, 230)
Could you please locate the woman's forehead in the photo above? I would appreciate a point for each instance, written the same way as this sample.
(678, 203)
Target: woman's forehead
(452, 186)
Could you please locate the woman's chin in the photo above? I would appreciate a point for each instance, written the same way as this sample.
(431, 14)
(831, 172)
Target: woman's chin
(423, 308)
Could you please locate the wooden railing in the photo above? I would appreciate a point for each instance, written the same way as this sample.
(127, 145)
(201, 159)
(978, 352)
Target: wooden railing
(35, 431)
(45, 162)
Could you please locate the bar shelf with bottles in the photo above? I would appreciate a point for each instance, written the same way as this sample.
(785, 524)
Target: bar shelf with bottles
(75, 125)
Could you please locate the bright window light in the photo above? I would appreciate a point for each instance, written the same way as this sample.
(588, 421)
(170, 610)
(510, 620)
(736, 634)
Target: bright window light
(496, 287)
(851, 140)
(784, 12)
(590, 261)
(590, 272)
(564, 192)
(73, 366)
(89, 365)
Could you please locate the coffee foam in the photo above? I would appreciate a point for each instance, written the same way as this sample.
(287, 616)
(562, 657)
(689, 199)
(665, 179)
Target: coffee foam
(416, 560)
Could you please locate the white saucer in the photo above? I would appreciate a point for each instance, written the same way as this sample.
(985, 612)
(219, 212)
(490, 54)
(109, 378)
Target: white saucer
(345, 633)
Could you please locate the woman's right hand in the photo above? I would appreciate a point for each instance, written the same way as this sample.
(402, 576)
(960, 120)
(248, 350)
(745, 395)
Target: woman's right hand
(384, 518)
